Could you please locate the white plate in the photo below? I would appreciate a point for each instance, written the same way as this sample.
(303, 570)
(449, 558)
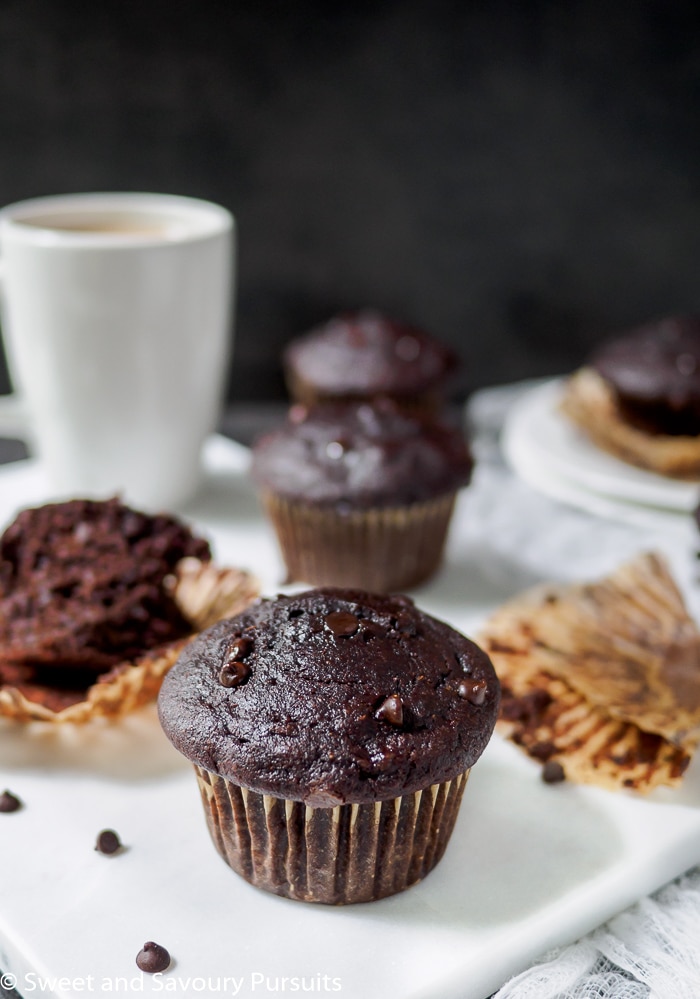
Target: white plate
(539, 441)
(529, 865)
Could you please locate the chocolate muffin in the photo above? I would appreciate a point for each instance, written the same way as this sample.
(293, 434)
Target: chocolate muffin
(92, 573)
(332, 733)
(361, 355)
(361, 494)
(90, 587)
(655, 374)
(639, 397)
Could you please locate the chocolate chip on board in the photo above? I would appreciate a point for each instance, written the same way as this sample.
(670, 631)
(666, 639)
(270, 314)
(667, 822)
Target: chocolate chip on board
(108, 842)
(553, 772)
(152, 958)
(9, 802)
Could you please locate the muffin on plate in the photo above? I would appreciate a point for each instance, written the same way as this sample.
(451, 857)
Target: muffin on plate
(361, 355)
(639, 397)
(361, 494)
(96, 600)
(332, 733)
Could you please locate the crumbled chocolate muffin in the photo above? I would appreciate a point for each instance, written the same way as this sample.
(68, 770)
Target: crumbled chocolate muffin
(359, 355)
(81, 586)
(345, 697)
(655, 374)
(361, 455)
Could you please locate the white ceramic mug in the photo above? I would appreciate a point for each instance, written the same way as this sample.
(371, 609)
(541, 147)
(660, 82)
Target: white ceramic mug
(116, 320)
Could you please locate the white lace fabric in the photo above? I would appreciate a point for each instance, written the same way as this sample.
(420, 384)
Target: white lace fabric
(649, 951)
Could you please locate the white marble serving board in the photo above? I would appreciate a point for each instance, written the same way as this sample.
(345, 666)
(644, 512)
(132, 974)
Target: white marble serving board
(529, 865)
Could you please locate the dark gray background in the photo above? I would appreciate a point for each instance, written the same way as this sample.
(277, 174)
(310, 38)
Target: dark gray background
(518, 178)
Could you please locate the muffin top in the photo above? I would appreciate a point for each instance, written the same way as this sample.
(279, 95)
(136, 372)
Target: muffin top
(361, 455)
(655, 372)
(331, 696)
(365, 353)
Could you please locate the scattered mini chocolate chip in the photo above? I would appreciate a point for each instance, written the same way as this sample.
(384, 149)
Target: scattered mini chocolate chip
(553, 772)
(108, 842)
(391, 710)
(234, 674)
(9, 802)
(152, 958)
(342, 624)
(473, 691)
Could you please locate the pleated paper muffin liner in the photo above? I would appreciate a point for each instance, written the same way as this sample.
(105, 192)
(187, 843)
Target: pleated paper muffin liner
(602, 678)
(350, 853)
(204, 594)
(379, 549)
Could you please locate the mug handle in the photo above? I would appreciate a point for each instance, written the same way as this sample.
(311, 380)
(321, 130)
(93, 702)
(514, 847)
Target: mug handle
(14, 418)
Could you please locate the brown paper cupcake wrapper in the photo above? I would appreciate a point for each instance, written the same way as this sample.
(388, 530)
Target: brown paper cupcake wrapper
(601, 677)
(378, 549)
(350, 853)
(204, 593)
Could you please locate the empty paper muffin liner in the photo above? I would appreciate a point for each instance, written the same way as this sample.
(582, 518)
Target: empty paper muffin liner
(350, 853)
(204, 593)
(379, 549)
(602, 678)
